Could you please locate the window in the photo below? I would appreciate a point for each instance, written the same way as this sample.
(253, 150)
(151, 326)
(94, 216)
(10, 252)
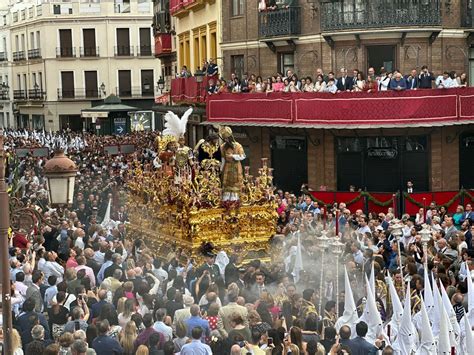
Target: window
(30, 12)
(238, 7)
(286, 62)
(23, 14)
(37, 121)
(15, 17)
(39, 10)
(92, 87)
(57, 9)
(121, 6)
(67, 84)
(237, 65)
(144, 5)
(88, 39)
(38, 39)
(65, 43)
(32, 40)
(123, 42)
(125, 83)
(145, 41)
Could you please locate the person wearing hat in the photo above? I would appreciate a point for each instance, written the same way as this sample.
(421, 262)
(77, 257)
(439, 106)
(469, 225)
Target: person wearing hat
(209, 268)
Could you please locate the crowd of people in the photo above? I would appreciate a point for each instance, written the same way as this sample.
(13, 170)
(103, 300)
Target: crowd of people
(82, 287)
(357, 81)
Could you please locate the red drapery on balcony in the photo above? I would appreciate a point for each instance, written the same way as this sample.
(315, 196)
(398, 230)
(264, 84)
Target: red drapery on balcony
(345, 110)
(189, 90)
(162, 44)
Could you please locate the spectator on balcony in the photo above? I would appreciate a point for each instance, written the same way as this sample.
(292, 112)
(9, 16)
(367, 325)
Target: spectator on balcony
(331, 75)
(371, 84)
(244, 84)
(211, 87)
(251, 84)
(288, 74)
(236, 86)
(355, 72)
(398, 83)
(384, 80)
(271, 5)
(205, 65)
(231, 83)
(286, 85)
(331, 87)
(308, 86)
(444, 81)
(412, 80)
(319, 71)
(278, 85)
(184, 73)
(262, 6)
(221, 86)
(425, 78)
(259, 85)
(344, 82)
(212, 68)
(462, 80)
(294, 78)
(269, 85)
(371, 72)
(359, 83)
(320, 84)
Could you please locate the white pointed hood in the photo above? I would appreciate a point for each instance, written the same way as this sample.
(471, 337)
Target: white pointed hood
(350, 316)
(444, 346)
(407, 336)
(427, 342)
(428, 297)
(438, 305)
(456, 330)
(396, 306)
(372, 279)
(371, 315)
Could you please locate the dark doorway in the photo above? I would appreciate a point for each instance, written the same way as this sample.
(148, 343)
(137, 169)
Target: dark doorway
(123, 42)
(72, 122)
(92, 88)
(466, 160)
(290, 163)
(381, 56)
(67, 84)
(65, 42)
(90, 49)
(125, 83)
(382, 164)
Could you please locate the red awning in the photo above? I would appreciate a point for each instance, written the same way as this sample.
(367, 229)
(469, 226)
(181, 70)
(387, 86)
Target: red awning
(412, 108)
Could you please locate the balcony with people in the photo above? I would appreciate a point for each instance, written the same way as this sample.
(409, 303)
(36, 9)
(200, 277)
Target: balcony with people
(274, 21)
(363, 14)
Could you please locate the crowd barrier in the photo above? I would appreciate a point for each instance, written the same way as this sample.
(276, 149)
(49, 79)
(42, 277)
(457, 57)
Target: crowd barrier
(401, 202)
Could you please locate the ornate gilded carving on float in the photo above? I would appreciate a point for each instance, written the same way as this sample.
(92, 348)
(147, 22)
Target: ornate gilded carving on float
(185, 212)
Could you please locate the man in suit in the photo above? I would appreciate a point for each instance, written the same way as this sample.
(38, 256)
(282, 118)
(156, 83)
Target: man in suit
(182, 315)
(116, 264)
(96, 307)
(359, 345)
(468, 214)
(412, 80)
(231, 272)
(450, 230)
(226, 312)
(121, 215)
(425, 79)
(410, 187)
(28, 320)
(33, 291)
(344, 83)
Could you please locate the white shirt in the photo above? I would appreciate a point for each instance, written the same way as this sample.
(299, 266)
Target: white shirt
(53, 268)
(383, 83)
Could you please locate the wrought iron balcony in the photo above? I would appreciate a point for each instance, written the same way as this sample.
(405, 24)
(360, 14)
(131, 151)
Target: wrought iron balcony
(5, 95)
(34, 53)
(279, 23)
(144, 51)
(353, 14)
(135, 91)
(78, 94)
(3, 57)
(17, 56)
(65, 52)
(36, 95)
(467, 13)
(19, 95)
(123, 51)
(89, 51)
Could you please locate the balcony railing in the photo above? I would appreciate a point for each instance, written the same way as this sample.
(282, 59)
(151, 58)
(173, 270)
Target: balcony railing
(123, 51)
(89, 51)
(17, 56)
(3, 57)
(352, 14)
(144, 51)
(37, 95)
(78, 94)
(282, 22)
(65, 52)
(34, 53)
(188, 90)
(4, 95)
(19, 95)
(135, 91)
(162, 44)
(467, 13)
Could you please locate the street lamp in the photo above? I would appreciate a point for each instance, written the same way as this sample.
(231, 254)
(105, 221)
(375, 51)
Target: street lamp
(60, 172)
(199, 74)
(161, 84)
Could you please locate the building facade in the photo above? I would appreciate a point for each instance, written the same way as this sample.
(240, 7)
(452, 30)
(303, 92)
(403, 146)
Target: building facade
(69, 55)
(6, 91)
(355, 34)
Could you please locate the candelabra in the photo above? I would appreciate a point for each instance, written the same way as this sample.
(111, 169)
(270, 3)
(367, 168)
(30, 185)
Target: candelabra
(425, 234)
(323, 242)
(337, 250)
(397, 233)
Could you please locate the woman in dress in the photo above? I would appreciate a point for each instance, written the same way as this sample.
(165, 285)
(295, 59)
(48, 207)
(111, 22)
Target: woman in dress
(319, 85)
(259, 85)
(360, 83)
(278, 85)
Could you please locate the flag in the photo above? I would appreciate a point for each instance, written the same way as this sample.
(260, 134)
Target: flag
(407, 337)
(350, 316)
(427, 342)
(396, 306)
(298, 261)
(469, 340)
